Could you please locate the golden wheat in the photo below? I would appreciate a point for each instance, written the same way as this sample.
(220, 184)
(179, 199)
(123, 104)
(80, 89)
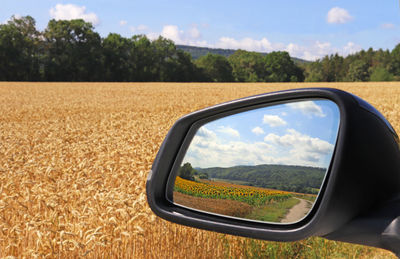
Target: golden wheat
(74, 159)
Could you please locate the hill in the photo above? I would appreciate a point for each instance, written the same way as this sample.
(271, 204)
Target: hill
(197, 52)
(283, 177)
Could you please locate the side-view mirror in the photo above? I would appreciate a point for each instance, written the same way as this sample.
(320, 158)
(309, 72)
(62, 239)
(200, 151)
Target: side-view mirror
(283, 166)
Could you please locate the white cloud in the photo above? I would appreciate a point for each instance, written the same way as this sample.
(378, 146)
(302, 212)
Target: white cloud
(388, 26)
(258, 131)
(303, 149)
(300, 142)
(193, 36)
(338, 15)
(313, 51)
(174, 33)
(207, 150)
(150, 35)
(273, 120)
(123, 23)
(317, 50)
(292, 148)
(71, 11)
(229, 131)
(207, 134)
(308, 108)
(263, 45)
(194, 32)
(350, 48)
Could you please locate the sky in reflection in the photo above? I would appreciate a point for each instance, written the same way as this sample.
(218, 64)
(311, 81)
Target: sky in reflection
(297, 133)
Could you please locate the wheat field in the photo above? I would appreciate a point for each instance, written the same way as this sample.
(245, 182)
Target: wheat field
(74, 158)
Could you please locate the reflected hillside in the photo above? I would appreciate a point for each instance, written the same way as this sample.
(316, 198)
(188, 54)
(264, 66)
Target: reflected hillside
(280, 177)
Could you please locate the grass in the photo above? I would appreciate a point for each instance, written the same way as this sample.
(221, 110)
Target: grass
(74, 158)
(274, 211)
(308, 197)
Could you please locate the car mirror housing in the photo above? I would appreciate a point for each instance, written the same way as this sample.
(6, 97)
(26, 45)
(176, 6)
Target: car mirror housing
(358, 198)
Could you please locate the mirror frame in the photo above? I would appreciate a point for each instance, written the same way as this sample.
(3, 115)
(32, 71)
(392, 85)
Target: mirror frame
(198, 124)
(366, 157)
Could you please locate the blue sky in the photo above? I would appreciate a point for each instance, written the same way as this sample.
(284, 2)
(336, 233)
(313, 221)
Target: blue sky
(299, 133)
(306, 29)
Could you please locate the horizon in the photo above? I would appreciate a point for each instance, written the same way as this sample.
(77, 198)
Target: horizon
(316, 167)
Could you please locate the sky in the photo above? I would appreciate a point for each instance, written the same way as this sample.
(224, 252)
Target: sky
(299, 133)
(307, 29)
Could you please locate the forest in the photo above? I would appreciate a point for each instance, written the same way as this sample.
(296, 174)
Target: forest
(73, 51)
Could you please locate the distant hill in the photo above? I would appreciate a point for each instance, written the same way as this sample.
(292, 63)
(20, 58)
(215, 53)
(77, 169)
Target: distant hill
(197, 52)
(283, 177)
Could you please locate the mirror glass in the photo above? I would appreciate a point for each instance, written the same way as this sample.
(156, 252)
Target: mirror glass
(266, 164)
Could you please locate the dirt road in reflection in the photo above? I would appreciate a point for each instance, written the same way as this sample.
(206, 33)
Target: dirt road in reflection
(298, 211)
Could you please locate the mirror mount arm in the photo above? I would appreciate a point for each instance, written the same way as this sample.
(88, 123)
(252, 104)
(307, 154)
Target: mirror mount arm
(391, 237)
(380, 228)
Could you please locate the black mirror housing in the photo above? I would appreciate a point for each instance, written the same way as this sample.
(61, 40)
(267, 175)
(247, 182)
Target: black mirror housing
(363, 176)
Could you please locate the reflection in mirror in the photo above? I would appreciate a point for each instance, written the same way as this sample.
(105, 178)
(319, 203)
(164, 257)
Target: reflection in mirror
(266, 164)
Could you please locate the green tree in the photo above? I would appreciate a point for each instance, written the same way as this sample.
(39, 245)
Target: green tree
(247, 66)
(380, 74)
(215, 67)
(314, 72)
(116, 58)
(170, 64)
(141, 60)
(333, 68)
(73, 51)
(383, 59)
(186, 172)
(185, 70)
(395, 57)
(279, 67)
(358, 71)
(164, 59)
(19, 50)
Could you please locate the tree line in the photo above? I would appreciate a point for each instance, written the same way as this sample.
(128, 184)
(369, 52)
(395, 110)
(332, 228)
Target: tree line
(73, 51)
(370, 65)
(280, 177)
(186, 171)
